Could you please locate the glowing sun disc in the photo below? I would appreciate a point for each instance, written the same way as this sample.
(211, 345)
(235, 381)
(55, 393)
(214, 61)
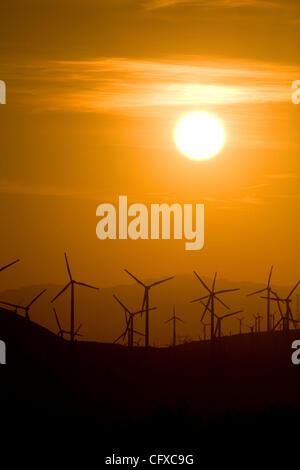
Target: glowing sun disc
(199, 136)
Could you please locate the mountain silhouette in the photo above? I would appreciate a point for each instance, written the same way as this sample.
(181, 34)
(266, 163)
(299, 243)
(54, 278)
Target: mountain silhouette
(103, 320)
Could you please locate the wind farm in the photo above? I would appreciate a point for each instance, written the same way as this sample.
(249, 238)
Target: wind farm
(212, 308)
(130, 374)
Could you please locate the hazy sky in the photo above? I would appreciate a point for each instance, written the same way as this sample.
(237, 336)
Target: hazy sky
(94, 91)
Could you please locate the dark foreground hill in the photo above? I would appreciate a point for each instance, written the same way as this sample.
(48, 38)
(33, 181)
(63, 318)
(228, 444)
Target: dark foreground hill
(245, 383)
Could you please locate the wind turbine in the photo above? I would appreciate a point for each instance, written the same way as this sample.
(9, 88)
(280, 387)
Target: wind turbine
(269, 291)
(241, 322)
(72, 284)
(61, 331)
(272, 318)
(8, 265)
(205, 325)
(145, 304)
(251, 328)
(174, 318)
(129, 330)
(288, 316)
(211, 298)
(27, 307)
(220, 319)
(257, 322)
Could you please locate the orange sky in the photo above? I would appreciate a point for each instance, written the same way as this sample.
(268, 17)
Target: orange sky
(94, 90)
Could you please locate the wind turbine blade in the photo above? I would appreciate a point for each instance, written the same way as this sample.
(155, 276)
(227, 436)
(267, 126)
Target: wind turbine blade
(85, 285)
(169, 320)
(279, 321)
(11, 305)
(256, 292)
(160, 282)
(144, 302)
(68, 267)
(293, 290)
(127, 328)
(279, 305)
(121, 336)
(206, 308)
(8, 265)
(206, 305)
(202, 282)
(270, 275)
(36, 297)
(292, 318)
(127, 316)
(232, 313)
(135, 278)
(179, 319)
(221, 302)
(78, 329)
(61, 292)
(57, 321)
(138, 333)
(143, 311)
(214, 282)
(122, 305)
(200, 298)
(226, 290)
(217, 327)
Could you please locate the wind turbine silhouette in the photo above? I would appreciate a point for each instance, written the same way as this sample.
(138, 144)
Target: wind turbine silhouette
(145, 303)
(211, 298)
(174, 318)
(72, 284)
(8, 265)
(269, 291)
(241, 322)
(62, 332)
(257, 322)
(288, 316)
(205, 325)
(27, 307)
(129, 317)
(220, 319)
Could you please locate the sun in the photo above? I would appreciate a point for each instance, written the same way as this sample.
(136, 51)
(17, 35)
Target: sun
(199, 136)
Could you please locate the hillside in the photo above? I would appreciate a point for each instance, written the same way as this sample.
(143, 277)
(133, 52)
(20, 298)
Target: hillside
(124, 387)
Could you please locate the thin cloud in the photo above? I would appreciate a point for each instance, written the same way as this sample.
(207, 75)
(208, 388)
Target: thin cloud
(158, 4)
(283, 176)
(231, 201)
(122, 85)
(12, 187)
(285, 196)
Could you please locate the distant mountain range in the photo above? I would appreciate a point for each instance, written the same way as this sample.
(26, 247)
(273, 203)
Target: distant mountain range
(103, 319)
